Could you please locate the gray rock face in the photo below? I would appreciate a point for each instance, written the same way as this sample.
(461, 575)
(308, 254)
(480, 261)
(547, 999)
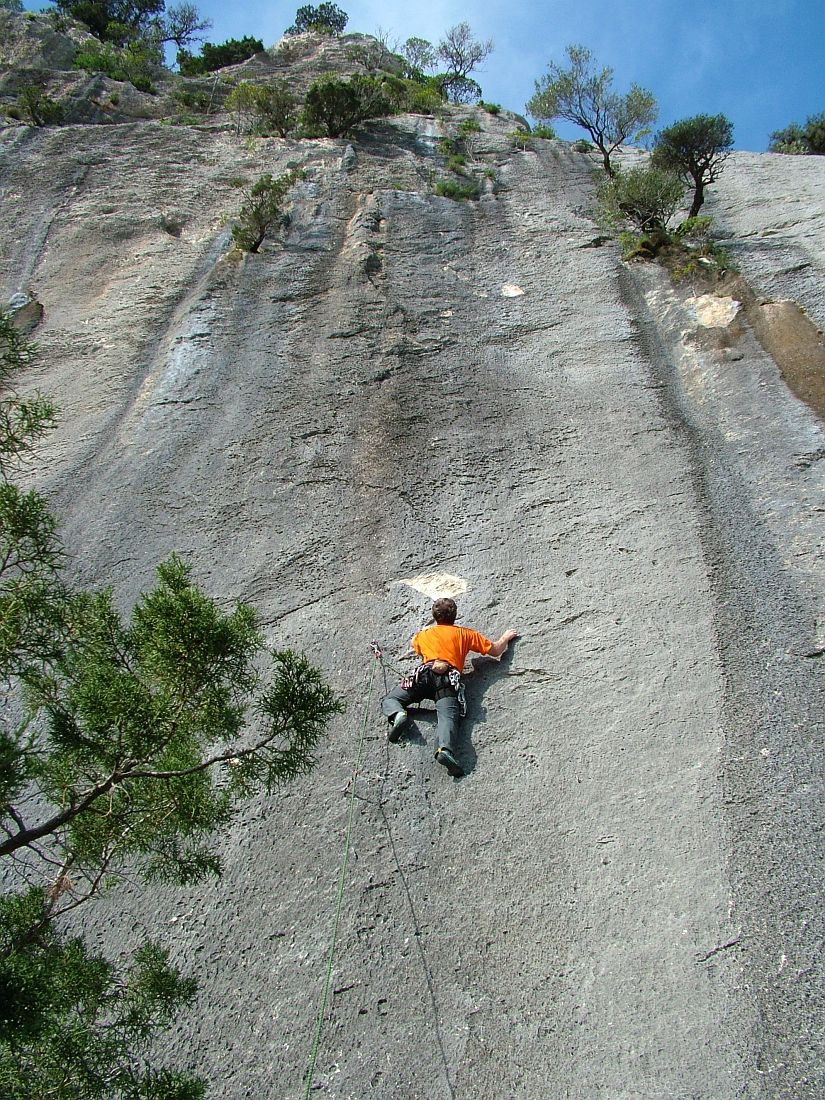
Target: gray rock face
(33, 41)
(621, 897)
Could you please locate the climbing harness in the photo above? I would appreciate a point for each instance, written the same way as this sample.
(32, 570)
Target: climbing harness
(341, 884)
(454, 685)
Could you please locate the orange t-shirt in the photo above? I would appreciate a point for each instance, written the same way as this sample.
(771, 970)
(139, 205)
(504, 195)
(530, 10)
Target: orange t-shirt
(444, 642)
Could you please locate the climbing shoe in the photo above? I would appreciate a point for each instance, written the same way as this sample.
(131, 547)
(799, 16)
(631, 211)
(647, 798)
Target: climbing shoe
(445, 757)
(397, 723)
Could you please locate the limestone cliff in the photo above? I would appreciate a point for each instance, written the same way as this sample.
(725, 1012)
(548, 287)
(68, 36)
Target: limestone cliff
(621, 899)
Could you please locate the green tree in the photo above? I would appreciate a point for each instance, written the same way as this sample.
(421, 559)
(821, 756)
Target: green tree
(262, 209)
(181, 25)
(583, 95)
(72, 1027)
(462, 53)
(11, 5)
(212, 57)
(31, 599)
(123, 21)
(122, 744)
(419, 55)
(115, 21)
(791, 139)
(326, 18)
(333, 107)
(695, 149)
(647, 197)
(267, 107)
(807, 139)
(242, 101)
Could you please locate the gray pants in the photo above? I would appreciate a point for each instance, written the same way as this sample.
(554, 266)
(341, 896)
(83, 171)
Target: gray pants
(428, 686)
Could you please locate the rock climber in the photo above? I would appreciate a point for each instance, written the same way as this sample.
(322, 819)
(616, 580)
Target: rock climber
(443, 648)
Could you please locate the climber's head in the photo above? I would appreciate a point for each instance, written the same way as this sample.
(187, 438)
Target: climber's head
(445, 610)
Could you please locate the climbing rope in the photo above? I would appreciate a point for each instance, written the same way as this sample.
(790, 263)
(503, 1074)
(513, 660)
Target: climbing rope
(341, 883)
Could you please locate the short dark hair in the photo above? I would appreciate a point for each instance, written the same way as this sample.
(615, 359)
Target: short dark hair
(445, 610)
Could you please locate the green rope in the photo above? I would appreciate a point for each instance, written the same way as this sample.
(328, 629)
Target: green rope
(340, 900)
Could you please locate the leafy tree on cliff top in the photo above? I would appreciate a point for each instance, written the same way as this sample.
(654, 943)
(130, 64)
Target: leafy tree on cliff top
(326, 18)
(419, 55)
(582, 94)
(462, 53)
(123, 21)
(123, 744)
(807, 139)
(695, 149)
(212, 56)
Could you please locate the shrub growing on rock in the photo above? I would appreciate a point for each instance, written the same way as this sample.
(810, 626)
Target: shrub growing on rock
(457, 189)
(266, 107)
(231, 52)
(38, 108)
(277, 109)
(262, 210)
(334, 107)
(646, 197)
(458, 89)
(521, 139)
(136, 63)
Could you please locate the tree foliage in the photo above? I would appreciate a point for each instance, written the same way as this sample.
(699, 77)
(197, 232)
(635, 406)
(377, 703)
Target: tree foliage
(212, 57)
(138, 62)
(582, 94)
(419, 55)
(457, 89)
(326, 18)
(462, 54)
(264, 108)
(123, 744)
(807, 139)
(72, 1026)
(37, 107)
(262, 209)
(334, 107)
(123, 21)
(181, 25)
(695, 149)
(461, 51)
(647, 197)
(115, 21)
(11, 5)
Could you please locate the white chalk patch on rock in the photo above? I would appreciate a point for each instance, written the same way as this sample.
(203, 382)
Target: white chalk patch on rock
(436, 584)
(713, 312)
(510, 290)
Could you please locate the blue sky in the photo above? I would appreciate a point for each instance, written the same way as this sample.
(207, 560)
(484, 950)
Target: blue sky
(760, 62)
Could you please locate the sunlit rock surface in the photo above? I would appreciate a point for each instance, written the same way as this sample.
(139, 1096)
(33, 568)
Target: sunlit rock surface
(622, 897)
